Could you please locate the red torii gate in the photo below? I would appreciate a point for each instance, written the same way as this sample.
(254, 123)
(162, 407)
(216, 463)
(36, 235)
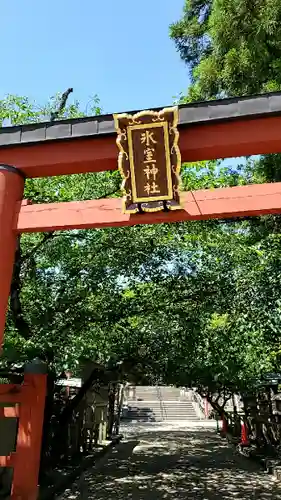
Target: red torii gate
(210, 130)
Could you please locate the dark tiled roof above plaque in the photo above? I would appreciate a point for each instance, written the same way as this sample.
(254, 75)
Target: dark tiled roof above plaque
(189, 114)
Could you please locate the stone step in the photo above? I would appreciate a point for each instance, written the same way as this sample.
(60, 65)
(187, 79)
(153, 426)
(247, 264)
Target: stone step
(161, 417)
(159, 403)
(156, 411)
(153, 402)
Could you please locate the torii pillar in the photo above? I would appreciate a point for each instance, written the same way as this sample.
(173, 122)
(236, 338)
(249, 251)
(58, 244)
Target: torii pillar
(11, 192)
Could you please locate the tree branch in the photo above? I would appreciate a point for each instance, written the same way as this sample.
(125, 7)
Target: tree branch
(62, 104)
(47, 237)
(15, 290)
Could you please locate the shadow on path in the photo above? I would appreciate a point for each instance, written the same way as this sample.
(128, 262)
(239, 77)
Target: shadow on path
(195, 464)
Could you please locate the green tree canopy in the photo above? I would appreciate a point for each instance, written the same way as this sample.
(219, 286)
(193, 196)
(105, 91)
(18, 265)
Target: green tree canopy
(232, 47)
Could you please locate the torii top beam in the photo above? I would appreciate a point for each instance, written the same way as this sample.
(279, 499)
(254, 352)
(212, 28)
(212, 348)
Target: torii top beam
(216, 129)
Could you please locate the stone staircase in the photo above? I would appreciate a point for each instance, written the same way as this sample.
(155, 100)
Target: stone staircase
(159, 403)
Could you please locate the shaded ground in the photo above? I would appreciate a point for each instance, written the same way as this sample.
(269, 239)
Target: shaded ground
(162, 463)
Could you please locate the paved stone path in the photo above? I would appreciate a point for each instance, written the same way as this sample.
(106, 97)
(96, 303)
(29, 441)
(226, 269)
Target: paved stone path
(168, 463)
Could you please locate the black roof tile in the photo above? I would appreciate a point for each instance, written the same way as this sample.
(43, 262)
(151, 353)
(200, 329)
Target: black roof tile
(189, 114)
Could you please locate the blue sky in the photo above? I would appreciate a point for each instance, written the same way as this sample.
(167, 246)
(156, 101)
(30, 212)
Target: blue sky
(119, 50)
